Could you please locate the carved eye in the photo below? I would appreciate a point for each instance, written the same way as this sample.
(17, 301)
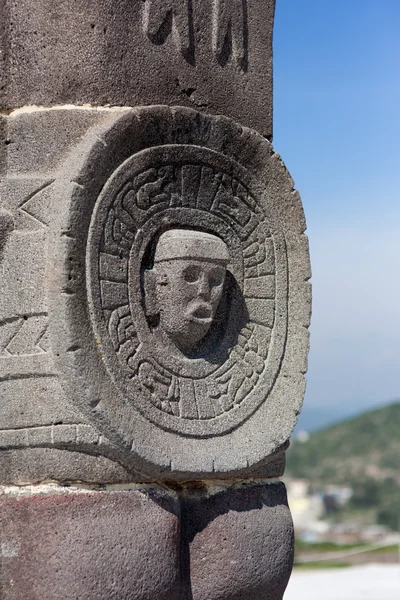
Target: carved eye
(191, 274)
(216, 278)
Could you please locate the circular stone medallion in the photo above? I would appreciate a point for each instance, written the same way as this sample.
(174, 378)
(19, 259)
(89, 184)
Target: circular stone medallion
(213, 386)
(179, 302)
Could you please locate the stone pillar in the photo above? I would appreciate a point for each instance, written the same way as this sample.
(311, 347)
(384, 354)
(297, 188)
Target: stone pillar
(155, 303)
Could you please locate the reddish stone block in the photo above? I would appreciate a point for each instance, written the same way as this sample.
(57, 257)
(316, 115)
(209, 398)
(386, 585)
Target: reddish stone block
(237, 544)
(90, 546)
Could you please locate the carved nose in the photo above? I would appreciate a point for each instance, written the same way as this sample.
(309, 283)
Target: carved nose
(204, 287)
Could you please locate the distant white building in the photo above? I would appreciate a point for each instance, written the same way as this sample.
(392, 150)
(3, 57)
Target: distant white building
(306, 509)
(341, 494)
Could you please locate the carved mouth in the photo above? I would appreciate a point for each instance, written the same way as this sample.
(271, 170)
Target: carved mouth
(202, 313)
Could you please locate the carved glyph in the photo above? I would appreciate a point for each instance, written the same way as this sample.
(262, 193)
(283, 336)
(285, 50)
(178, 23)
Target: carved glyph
(166, 216)
(176, 299)
(164, 18)
(175, 19)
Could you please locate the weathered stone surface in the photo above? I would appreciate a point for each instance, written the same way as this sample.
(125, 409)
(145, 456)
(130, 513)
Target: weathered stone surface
(26, 464)
(212, 542)
(28, 401)
(154, 306)
(183, 292)
(41, 432)
(38, 140)
(126, 53)
(237, 543)
(90, 546)
(157, 169)
(78, 280)
(24, 279)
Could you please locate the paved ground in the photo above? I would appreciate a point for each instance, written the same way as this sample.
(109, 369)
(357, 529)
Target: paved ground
(367, 582)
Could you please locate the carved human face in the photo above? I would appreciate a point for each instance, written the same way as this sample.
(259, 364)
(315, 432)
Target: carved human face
(188, 293)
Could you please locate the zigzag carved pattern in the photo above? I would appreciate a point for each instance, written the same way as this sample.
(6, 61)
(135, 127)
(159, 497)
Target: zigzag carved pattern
(23, 336)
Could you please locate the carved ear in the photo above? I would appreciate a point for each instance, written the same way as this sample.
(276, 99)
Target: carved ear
(150, 296)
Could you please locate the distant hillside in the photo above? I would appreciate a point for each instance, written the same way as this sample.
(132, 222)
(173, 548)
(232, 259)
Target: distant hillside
(362, 452)
(368, 444)
(313, 418)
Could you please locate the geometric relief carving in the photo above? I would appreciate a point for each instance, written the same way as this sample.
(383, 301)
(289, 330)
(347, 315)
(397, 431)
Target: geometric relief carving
(24, 348)
(28, 200)
(170, 301)
(227, 28)
(23, 336)
(23, 339)
(8, 330)
(230, 32)
(71, 435)
(164, 18)
(37, 205)
(172, 214)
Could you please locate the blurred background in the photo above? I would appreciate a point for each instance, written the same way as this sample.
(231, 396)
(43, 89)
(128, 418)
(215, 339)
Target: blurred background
(337, 126)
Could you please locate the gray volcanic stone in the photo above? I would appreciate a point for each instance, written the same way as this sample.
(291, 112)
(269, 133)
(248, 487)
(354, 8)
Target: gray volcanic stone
(87, 364)
(42, 435)
(29, 464)
(90, 546)
(184, 290)
(237, 543)
(154, 306)
(38, 140)
(55, 52)
(3, 145)
(146, 172)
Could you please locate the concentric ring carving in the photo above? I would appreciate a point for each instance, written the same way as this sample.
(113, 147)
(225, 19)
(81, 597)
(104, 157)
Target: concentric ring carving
(223, 381)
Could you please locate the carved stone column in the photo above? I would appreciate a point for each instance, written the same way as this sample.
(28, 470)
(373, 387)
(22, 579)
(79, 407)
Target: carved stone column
(155, 303)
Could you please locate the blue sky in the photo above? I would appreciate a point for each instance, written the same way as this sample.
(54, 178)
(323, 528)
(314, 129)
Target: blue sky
(337, 127)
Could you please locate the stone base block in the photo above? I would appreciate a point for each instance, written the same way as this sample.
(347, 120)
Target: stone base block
(238, 543)
(228, 542)
(90, 546)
